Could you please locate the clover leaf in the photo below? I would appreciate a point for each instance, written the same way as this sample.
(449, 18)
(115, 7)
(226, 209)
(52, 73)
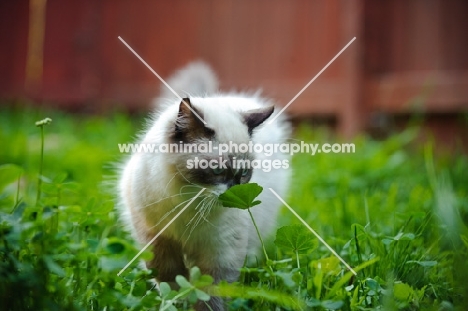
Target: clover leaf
(296, 238)
(241, 196)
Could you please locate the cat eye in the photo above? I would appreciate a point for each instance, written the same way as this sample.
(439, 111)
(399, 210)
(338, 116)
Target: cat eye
(245, 171)
(218, 170)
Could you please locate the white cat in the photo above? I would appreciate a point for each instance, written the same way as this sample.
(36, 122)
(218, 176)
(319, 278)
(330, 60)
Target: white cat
(155, 186)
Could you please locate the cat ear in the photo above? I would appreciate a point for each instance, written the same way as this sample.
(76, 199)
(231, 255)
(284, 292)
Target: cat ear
(184, 108)
(186, 119)
(183, 117)
(255, 117)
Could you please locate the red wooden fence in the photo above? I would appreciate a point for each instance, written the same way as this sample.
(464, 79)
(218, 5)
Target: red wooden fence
(407, 53)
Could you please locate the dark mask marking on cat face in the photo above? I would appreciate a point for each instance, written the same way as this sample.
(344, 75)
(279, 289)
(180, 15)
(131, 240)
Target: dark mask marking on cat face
(228, 176)
(189, 128)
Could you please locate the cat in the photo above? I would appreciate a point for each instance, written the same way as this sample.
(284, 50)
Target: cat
(155, 186)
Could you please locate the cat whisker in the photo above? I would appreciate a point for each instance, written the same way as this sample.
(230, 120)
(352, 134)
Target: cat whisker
(181, 193)
(193, 223)
(170, 212)
(196, 189)
(202, 207)
(165, 189)
(188, 181)
(212, 203)
(169, 197)
(207, 205)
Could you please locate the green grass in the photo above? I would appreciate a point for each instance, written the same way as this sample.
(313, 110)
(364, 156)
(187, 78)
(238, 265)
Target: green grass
(393, 210)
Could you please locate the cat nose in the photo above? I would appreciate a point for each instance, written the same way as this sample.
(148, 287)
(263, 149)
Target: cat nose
(233, 182)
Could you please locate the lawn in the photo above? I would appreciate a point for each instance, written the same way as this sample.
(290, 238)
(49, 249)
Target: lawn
(396, 211)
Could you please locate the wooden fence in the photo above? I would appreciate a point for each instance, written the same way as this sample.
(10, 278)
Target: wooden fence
(408, 54)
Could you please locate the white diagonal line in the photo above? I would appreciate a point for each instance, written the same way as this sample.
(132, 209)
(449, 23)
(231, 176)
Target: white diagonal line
(315, 233)
(162, 80)
(310, 82)
(160, 232)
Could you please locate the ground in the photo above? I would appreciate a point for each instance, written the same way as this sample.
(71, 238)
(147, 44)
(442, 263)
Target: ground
(395, 210)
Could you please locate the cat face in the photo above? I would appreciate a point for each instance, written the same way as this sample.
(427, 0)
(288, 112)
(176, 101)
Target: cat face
(209, 168)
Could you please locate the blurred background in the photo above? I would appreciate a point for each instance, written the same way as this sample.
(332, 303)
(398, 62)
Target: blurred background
(409, 58)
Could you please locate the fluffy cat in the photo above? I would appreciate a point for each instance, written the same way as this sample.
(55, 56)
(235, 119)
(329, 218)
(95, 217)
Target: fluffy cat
(155, 186)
